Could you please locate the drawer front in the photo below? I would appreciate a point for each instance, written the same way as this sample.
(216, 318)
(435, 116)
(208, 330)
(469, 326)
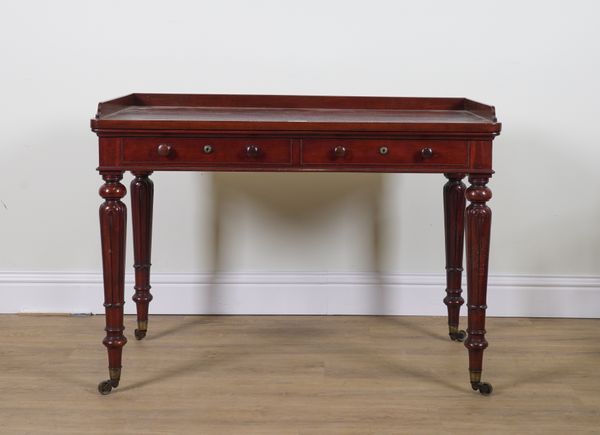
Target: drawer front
(375, 152)
(206, 151)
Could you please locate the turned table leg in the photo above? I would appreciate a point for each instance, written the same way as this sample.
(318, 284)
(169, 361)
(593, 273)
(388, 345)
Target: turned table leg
(479, 219)
(142, 195)
(113, 220)
(454, 227)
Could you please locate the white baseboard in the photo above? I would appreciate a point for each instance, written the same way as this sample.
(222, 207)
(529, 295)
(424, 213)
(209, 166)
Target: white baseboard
(301, 293)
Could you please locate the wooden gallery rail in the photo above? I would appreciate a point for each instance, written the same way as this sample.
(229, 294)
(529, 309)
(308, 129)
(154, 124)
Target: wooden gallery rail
(143, 133)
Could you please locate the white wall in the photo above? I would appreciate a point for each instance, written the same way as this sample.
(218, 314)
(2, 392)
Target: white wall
(536, 61)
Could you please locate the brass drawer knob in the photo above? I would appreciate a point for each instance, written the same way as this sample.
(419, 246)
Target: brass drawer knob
(164, 149)
(339, 151)
(252, 151)
(207, 149)
(426, 153)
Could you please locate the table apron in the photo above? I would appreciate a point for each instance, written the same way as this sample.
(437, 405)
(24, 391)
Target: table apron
(281, 154)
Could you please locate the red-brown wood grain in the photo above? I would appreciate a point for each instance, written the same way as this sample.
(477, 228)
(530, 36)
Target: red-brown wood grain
(395, 153)
(479, 220)
(143, 133)
(454, 224)
(295, 114)
(113, 221)
(142, 199)
(207, 152)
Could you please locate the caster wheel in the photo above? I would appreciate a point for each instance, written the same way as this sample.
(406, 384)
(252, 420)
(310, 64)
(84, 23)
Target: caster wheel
(105, 387)
(458, 336)
(139, 334)
(485, 389)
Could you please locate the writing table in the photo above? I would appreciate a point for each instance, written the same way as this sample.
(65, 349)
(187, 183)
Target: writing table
(143, 133)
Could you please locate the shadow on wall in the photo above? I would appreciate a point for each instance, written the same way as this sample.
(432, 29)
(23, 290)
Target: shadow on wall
(325, 213)
(542, 204)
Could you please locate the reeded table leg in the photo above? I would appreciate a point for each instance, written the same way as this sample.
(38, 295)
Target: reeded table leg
(454, 226)
(142, 195)
(113, 220)
(479, 219)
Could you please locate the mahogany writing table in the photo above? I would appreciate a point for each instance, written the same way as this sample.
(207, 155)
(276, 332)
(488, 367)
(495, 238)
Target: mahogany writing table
(143, 133)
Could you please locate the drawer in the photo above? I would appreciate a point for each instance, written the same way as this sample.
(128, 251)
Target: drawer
(206, 151)
(395, 152)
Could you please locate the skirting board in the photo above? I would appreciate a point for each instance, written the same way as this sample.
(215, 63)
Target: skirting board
(301, 293)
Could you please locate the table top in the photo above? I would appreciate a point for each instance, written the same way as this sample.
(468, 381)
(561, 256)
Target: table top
(276, 113)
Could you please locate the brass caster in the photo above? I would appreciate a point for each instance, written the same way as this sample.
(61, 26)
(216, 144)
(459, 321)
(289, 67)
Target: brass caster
(140, 333)
(484, 388)
(105, 387)
(458, 336)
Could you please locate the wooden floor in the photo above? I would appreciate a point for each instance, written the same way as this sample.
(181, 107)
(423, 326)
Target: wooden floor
(298, 375)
